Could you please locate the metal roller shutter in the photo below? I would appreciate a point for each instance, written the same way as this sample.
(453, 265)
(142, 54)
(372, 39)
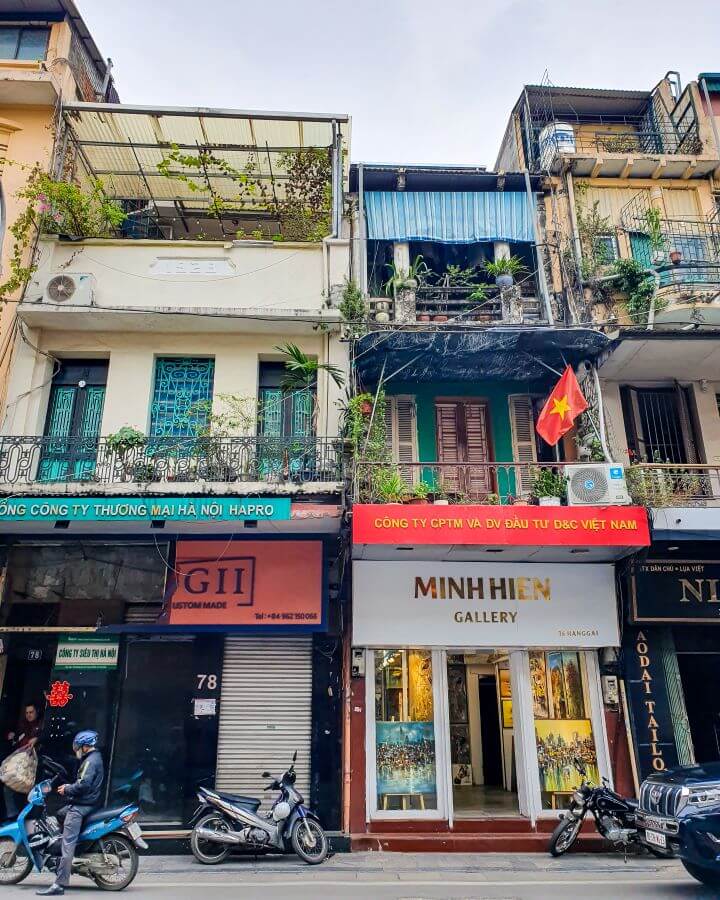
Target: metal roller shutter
(265, 712)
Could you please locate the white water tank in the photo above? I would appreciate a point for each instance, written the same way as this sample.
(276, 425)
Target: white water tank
(557, 137)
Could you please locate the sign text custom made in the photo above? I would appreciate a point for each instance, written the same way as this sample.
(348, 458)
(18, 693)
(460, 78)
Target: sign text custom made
(594, 526)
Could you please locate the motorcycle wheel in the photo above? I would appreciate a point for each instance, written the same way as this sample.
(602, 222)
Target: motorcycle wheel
(118, 845)
(207, 852)
(708, 877)
(309, 841)
(15, 864)
(564, 836)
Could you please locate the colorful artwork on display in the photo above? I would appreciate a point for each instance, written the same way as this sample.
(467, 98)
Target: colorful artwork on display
(559, 743)
(538, 680)
(566, 685)
(507, 713)
(504, 675)
(405, 758)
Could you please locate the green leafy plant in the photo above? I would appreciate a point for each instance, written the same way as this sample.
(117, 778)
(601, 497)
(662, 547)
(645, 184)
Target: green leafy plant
(352, 306)
(653, 228)
(389, 485)
(478, 294)
(592, 226)
(406, 279)
(125, 439)
(55, 207)
(511, 265)
(302, 370)
(421, 490)
(638, 285)
(546, 483)
(457, 276)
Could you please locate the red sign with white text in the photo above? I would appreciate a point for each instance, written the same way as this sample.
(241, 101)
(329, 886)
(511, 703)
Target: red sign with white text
(258, 583)
(519, 526)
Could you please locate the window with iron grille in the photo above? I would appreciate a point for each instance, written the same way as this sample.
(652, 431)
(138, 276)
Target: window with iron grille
(24, 43)
(182, 396)
(659, 425)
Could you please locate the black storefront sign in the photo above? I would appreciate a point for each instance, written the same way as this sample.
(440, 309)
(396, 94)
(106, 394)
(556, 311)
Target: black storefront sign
(676, 590)
(648, 702)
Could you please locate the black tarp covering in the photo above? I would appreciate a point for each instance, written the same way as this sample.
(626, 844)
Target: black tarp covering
(469, 355)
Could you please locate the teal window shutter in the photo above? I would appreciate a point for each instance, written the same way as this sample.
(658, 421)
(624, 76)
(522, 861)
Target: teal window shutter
(182, 395)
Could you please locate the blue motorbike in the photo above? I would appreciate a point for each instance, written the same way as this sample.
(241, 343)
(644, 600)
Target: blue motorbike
(106, 852)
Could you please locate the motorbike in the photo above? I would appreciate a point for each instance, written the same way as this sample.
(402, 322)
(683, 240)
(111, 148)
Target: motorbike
(226, 822)
(106, 852)
(614, 816)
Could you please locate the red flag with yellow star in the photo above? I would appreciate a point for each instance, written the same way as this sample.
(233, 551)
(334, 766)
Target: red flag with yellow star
(563, 406)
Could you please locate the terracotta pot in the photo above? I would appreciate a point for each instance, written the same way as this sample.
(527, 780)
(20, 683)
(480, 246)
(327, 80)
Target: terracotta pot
(366, 408)
(423, 317)
(418, 501)
(675, 257)
(440, 318)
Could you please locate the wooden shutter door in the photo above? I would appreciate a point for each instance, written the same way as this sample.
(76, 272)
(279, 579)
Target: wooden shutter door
(478, 481)
(522, 426)
(401, 431)
(447, 432)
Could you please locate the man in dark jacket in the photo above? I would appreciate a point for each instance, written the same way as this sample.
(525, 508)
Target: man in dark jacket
(84, 796)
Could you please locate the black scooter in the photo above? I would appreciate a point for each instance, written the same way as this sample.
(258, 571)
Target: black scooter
(614, 816)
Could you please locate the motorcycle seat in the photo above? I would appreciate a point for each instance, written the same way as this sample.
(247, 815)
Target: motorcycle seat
(103, 815)
(250, 803)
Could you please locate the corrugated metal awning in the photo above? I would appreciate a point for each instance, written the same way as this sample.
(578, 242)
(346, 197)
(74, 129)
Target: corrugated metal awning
(459, 217)
(124, 145)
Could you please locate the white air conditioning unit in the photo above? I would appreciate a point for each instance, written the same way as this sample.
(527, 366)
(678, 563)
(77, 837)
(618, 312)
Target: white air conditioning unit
(70, 289)
(599, 484)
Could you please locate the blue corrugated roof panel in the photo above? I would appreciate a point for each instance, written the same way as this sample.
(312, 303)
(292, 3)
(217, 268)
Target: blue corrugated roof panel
(459, 217)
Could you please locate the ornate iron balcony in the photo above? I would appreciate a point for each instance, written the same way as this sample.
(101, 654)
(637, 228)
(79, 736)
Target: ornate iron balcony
(53, 460)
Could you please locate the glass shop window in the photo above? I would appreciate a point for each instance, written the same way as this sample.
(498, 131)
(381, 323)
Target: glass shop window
(24, 43)
(563, 728)
(405, 754)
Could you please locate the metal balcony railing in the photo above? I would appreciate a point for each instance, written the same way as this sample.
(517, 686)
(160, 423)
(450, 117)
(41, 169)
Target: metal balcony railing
(53, 460)
(652, 485)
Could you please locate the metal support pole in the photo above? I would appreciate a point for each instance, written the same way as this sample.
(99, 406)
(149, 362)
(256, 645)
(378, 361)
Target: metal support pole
(713, 123)
(334, 177)
(362, 231)
(539, 261)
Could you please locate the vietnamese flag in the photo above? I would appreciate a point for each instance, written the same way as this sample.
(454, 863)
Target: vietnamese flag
(563, 406)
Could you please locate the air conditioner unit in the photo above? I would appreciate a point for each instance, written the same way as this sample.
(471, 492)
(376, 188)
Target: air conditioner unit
(600, 484)
(70, 289)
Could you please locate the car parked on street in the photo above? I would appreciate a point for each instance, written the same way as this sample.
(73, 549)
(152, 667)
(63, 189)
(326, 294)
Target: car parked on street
(679, 815)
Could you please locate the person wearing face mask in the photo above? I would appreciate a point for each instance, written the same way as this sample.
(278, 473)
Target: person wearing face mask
(84, 795)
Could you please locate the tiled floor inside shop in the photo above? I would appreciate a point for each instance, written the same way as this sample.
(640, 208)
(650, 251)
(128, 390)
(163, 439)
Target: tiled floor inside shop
(480, 801)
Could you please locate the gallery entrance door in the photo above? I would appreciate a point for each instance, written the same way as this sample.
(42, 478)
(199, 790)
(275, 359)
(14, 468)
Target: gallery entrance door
(482, 741)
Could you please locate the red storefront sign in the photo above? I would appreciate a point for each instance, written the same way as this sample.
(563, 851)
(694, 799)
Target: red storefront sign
(257, 583)
(592, 526)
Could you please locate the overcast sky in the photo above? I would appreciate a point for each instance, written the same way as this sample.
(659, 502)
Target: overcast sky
(425, 81)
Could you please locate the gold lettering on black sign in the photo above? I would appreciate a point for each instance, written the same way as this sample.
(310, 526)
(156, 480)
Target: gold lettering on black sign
(643, 656)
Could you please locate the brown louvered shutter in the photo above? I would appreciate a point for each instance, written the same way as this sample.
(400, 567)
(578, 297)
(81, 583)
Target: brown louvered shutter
(522, 425)
(401, 434)
(448, 445)
(478, 481)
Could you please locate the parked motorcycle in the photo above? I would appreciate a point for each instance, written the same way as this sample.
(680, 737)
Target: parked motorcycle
(614, 816)
(230, 821)
(106, 851)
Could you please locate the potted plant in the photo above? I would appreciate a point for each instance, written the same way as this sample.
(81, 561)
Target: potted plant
(122, 443)
(405, 279)
(420, 493)
(504, 270)
(390, 486)
(423, 317)
(548, 487)
(676, 257)
(492, 500)
(653, 227)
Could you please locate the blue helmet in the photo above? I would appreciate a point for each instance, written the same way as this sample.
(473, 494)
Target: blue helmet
(86, 739)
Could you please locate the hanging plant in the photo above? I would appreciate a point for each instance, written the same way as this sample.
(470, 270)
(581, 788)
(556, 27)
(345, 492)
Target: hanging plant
(56, 207)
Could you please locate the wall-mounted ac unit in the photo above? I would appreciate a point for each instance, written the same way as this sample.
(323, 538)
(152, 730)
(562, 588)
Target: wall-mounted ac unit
(598, 484)
(70, 289)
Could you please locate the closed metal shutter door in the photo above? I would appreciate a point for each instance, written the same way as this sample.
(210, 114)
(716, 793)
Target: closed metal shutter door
(265, 712)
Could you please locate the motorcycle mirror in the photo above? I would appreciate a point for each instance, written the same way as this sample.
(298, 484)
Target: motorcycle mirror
(266, 775)
(294, 756)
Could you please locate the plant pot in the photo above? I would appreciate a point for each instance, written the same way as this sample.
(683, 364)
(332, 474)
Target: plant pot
(382, 317)
(423, 317)
(675, 257)
(418, 501)
(441, 502)
(440, 318)
(504, 281)
(549, 501)
(520, 502)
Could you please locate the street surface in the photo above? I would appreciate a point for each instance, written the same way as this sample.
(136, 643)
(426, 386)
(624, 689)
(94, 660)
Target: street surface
(401, 876)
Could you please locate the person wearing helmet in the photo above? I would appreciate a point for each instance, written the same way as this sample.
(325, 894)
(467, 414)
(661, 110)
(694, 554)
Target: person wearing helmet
(84, 795)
